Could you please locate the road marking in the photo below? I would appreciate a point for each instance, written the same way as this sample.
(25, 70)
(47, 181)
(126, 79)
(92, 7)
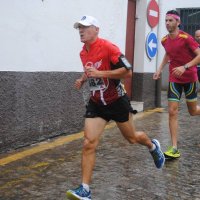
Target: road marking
(63, 140)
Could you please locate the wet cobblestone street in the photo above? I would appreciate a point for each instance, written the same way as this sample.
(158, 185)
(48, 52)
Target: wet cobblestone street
(122, 171)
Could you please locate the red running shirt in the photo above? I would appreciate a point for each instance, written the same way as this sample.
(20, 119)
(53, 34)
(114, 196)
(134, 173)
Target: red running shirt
(181, 51)
(103, 55)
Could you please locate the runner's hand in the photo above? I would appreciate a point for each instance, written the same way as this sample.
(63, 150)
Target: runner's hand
(156, 75)
(78, 83)
(178, 71)
(92, 72)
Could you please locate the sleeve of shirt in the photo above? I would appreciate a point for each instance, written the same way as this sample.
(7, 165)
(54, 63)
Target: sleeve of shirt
(193, 45)
(114, 53)
(163, 40)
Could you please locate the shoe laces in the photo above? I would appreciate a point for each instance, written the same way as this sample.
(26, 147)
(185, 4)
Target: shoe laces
(172, 150)
(157, 154)
(175, 151)
(81, 191)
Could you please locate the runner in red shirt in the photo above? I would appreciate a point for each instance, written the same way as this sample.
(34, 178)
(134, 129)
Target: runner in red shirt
(104, 66)
(183, 55)
(103, 56)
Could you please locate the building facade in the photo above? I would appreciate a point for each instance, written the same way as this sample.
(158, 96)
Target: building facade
(39, 62)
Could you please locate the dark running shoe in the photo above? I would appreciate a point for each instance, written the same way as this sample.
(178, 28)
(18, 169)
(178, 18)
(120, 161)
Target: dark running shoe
(79, 193)
(157, 154)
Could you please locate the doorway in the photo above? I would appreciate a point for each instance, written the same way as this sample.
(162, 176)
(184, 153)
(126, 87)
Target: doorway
(130, 42)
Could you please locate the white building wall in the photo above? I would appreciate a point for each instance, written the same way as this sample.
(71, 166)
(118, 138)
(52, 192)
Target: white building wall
(142, 64)
(38, 35)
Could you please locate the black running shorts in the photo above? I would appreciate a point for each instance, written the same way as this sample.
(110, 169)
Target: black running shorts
(117, 111)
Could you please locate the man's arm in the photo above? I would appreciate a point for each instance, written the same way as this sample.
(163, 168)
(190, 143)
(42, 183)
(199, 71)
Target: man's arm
(79, 82)
(119, 70)
(196, 60)
(112, 74)
(161, 67)
(178, 71)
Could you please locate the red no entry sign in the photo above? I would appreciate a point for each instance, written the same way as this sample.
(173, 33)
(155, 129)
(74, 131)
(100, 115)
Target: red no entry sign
(153, 13)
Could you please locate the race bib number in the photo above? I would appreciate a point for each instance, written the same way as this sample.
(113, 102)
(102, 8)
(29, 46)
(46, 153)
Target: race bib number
(96, 84)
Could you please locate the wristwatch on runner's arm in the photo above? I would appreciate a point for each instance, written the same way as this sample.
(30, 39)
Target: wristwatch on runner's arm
(186, 66)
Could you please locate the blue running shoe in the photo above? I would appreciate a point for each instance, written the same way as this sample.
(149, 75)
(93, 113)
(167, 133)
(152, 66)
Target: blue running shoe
(157, 154)
(79, 193)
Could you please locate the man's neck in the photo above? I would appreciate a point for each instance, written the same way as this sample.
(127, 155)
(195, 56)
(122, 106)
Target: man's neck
(89, 43)
(173, 34)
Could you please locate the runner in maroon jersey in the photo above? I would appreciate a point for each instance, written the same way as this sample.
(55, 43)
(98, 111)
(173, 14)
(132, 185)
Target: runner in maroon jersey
(104, 66)
(183, 55)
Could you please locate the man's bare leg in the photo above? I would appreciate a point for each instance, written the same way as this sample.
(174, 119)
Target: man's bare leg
(94, 127)
(193, 108)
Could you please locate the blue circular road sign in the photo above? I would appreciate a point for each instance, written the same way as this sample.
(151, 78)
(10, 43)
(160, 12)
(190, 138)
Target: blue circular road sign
(151, 45)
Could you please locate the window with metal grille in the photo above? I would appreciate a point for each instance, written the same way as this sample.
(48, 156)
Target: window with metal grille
(190, 19)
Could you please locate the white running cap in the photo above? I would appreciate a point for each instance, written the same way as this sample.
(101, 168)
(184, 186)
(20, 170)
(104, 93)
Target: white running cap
(87, 21)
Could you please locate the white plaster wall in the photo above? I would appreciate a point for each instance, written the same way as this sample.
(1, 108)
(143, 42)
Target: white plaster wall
(140, 31)
(142, 64)
(38, 35)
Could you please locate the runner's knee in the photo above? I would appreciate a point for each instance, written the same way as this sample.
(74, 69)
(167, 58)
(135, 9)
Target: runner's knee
(173, 112)
(89, 144)
(192, 112)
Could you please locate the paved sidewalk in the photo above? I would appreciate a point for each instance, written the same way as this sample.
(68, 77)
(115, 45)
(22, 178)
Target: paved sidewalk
(122, 172)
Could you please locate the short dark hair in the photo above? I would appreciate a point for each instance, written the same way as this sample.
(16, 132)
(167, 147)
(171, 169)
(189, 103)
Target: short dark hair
(174, 12)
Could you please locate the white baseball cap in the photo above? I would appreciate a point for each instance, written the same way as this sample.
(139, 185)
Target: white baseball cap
(87, 21)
